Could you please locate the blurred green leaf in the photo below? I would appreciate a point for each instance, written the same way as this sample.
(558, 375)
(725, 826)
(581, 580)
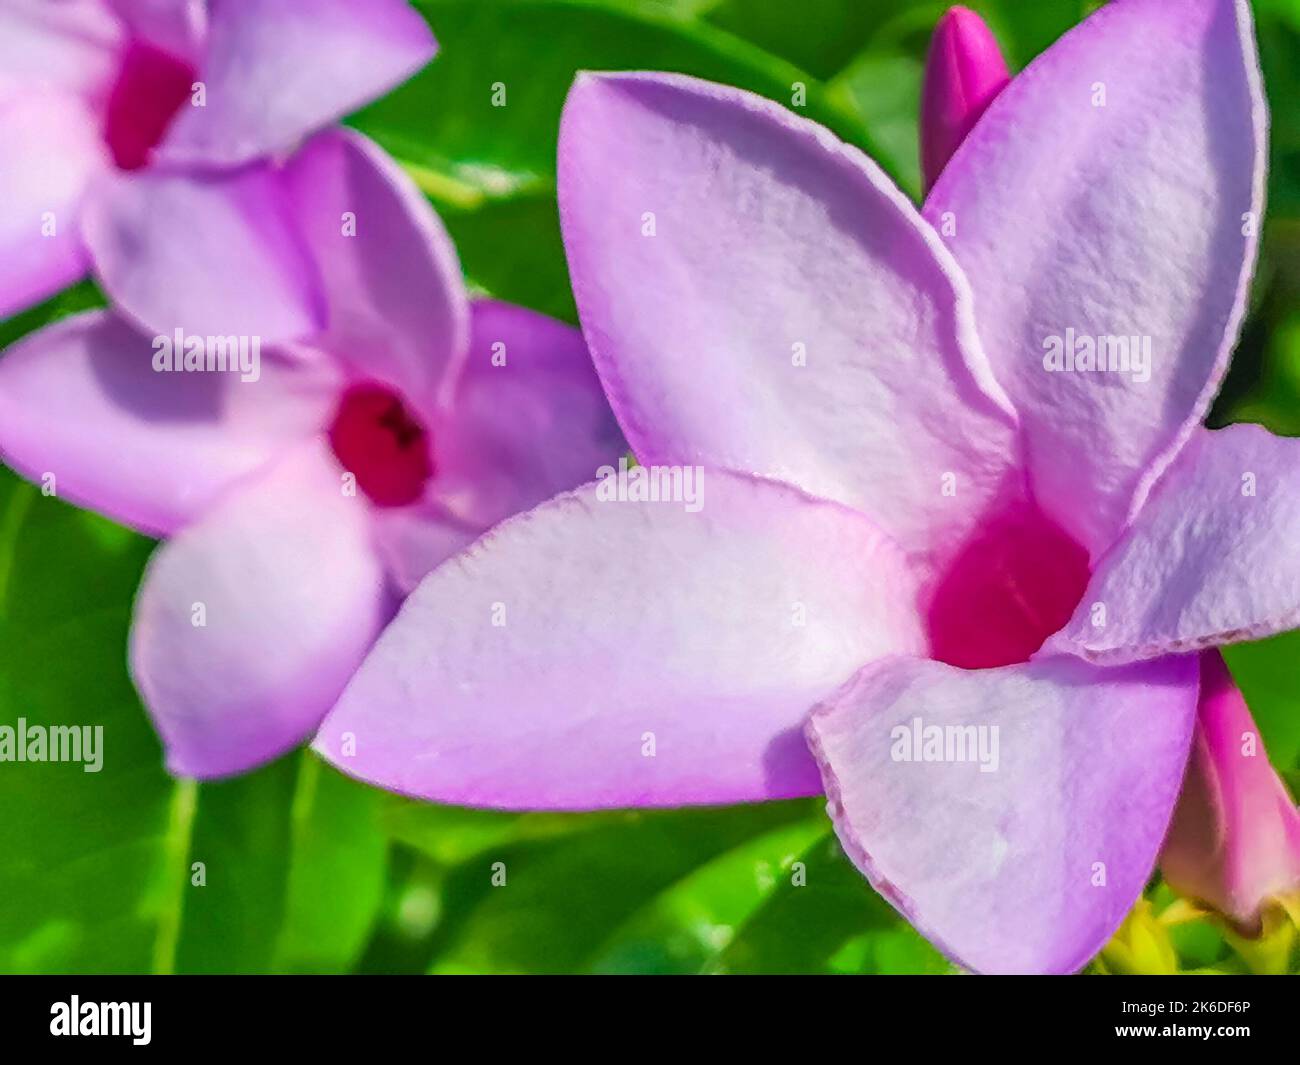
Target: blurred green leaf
(1269, 677)
(444, 124)
(83, 296)
(574, 901)
(885, 88)
(819, 36)
(90, 858)
(683, 927)
(293, 862)
(98, 869)
(336, 872)
(240, 837)
(451, 835)
(511, 249)
(490, 170)
(827, 920)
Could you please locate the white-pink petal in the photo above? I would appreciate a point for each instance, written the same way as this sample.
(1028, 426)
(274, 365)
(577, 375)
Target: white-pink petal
(52, 150)
(602, 653)
(277, 71)
(212, 254)
(757, 295)
(68, 45)
(396, 308)
(1013, 815)
(249, 623)
(83, 409)
(1211, 559)
(1107, 207)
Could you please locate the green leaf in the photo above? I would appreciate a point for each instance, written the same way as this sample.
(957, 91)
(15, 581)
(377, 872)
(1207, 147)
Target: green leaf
(235, 884)
(683, 927)
(87, 878)
(293, 863)
(452, 835)
(488, 162)
(84, 296)
(512, 249)
(885, 88)
(828, 920)
(451, 126)
(569, 899)
(820, 36)
(98, 873)
(336, 874)
(1266, 673)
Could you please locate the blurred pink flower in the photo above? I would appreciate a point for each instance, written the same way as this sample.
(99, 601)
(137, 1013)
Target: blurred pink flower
(303, 500)
(138, 137)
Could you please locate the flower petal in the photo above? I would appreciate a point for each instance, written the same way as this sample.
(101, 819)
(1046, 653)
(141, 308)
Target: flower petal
(80, 400)
(207, 254)
(1111, 195)
(278, 70)
(529, 420)
(397, 308)
(249, 623)
(414, 540)
(52, 147)
(757, 295)
(71, 45)
(1209, 560)
(1030, 865)
(596, 653)
(178, 27)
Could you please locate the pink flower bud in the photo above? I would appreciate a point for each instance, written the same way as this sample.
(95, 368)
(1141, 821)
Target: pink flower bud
(964, 72)
(1234, 844)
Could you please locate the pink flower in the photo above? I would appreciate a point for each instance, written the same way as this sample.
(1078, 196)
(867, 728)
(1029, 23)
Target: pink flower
(1235, 839)
(1234, 842)
(964, 72)
(138, 135)
(913, 481)
(303, 500)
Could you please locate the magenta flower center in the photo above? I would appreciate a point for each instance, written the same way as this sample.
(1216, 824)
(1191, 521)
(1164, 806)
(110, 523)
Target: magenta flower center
(1015, 584)
(151, 86)
(380, 442)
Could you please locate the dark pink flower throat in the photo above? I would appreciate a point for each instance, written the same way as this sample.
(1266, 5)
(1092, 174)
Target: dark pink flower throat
(382, 443)
(1015, 584)
(151, 87)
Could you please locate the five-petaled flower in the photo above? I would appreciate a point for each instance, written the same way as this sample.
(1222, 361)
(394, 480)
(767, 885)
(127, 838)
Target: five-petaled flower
(141, 136)
(301, 506)
(909, 517)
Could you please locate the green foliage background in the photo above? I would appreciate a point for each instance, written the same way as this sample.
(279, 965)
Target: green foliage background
(309, 871)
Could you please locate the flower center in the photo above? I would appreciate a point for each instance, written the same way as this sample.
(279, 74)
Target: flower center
(1015, 584)
(151, 86)
(381, 443)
